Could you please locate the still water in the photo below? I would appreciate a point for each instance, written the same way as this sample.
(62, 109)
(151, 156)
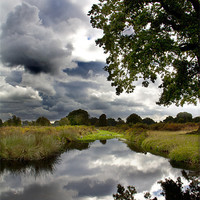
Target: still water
(89, 171)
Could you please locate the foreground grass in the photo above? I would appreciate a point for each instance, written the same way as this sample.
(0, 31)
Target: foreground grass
(36, 143)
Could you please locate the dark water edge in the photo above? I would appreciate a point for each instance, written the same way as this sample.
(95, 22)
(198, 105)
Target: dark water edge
(175, 164)
(38, 167)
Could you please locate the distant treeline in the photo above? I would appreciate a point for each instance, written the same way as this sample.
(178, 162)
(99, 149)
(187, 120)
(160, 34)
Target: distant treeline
(81, 117)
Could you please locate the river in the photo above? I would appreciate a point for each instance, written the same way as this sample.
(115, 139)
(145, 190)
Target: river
(86, 172)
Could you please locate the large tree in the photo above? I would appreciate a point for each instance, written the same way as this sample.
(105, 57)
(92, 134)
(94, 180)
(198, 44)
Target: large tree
(102, 120)
(133, 119)
(148, 39)
(43, 121)
(78, 117)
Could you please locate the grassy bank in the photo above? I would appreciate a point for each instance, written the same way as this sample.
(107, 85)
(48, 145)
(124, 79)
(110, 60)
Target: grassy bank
(178, 146)
(36, 143)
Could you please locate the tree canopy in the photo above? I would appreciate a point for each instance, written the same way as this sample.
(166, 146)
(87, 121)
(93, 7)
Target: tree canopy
(183, 117)
(102, 120)
(43, 121)
(133, 119)
(14, 121)
(151, 39)
(78, 117)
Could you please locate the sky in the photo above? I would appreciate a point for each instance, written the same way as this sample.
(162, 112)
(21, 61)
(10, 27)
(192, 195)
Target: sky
(50, 66)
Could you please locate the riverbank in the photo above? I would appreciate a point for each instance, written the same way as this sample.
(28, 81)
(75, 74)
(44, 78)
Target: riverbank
(37, 143)
(178, 146)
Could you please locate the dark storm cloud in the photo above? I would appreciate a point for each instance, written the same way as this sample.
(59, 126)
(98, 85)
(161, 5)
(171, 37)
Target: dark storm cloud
(98, 104)
(127, 103)
(87, 69)
(23, 108)
(34, 191)
(78, 90)
(92, 188)
(47, 100)
(26, 42)
(14, 78)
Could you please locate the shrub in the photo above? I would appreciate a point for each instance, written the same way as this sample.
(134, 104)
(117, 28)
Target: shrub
(157, 127)
(172, 127)
(140, 126)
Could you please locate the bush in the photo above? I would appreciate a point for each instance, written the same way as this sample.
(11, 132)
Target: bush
(140, 126)
(157, 127)
(172, 127)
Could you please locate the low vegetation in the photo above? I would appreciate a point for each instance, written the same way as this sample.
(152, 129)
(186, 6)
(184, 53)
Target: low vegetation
(40, 142)
(100, 135)
(169, 140)
(177, 145)
(36, 143)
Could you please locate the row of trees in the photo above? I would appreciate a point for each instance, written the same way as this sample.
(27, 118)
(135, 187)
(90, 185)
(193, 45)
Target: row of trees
(81, 117)
(16, 121)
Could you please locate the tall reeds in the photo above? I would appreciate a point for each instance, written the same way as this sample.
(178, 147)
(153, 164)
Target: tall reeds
(36, 143)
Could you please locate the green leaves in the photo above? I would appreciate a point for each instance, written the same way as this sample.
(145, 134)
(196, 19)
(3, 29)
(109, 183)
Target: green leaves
(147, 38)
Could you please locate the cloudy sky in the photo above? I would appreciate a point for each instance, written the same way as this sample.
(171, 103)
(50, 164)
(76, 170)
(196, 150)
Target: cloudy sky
(50, 65)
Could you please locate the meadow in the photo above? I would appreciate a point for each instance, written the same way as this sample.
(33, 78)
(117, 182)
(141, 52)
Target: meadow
(37, 143)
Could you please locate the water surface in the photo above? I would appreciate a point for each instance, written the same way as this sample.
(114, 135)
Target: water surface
(92, 171)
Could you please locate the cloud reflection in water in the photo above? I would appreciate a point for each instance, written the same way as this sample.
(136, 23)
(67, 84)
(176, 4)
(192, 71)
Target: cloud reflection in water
(90, 174)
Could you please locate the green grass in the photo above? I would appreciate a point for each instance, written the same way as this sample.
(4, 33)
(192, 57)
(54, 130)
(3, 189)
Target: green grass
(100, 135)
(176, 145)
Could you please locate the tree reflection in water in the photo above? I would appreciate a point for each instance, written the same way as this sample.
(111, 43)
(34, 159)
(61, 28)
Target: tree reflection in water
(172, 190)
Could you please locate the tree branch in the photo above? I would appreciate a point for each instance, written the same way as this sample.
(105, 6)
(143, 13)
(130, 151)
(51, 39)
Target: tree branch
(196, 5)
